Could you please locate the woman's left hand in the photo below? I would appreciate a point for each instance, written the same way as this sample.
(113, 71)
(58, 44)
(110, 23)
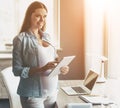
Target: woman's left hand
(64, 70)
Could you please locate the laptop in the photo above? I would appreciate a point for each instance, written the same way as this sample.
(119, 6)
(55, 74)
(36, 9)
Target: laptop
(85, 88)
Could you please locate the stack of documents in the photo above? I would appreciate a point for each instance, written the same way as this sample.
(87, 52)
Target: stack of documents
(96, 99)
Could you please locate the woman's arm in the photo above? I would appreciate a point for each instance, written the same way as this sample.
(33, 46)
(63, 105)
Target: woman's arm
(17, 62)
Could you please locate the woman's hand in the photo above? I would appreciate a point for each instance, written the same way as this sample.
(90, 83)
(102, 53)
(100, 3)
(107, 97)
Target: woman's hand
(38, 70)
(64, 70)
(50, 65)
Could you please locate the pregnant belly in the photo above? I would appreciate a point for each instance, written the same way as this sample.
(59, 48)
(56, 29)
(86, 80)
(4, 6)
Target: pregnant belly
(49, 85)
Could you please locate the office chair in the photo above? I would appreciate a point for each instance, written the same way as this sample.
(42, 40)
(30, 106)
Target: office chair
(11, 84)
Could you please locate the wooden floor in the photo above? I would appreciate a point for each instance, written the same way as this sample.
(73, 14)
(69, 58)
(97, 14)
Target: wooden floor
(4, 103)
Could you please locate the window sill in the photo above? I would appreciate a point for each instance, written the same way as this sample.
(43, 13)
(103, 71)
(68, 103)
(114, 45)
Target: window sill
(5, 48)
(5, 55)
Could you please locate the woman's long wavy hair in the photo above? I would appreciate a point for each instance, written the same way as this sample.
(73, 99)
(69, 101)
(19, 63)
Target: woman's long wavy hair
(26, 23)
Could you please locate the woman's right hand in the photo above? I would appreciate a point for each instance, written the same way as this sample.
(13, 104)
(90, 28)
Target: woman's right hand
(50, 65)
(38, 70)
(46, 69)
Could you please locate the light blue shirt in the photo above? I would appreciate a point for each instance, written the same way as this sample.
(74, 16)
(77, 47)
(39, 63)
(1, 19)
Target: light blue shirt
(25, 55)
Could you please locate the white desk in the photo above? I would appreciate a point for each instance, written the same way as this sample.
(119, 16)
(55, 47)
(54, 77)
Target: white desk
(63, 98)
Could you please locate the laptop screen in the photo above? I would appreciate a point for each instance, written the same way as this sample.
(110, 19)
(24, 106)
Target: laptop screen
(90, 79)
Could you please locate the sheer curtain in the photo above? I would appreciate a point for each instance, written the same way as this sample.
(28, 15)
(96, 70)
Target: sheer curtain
(113, 25)
(94, 34)
(102, 35)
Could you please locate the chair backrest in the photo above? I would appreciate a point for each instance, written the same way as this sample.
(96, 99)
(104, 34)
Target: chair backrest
(11, 83)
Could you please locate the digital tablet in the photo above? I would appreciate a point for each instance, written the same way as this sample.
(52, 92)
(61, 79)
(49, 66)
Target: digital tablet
(64, 62)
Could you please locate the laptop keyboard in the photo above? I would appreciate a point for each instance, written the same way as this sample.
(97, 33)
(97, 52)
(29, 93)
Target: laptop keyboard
(79, 89)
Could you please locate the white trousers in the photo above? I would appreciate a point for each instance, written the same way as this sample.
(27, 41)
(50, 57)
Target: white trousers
(44, 102)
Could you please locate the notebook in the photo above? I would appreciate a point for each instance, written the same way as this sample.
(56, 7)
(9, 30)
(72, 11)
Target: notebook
(96, 100)
(84, 88)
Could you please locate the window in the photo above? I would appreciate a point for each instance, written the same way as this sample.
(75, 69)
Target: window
(11, 20)
(7, 21)
(102, 35)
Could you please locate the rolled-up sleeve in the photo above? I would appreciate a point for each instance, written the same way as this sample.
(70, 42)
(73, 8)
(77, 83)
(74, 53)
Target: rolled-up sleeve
(18, 68)
(25, 72)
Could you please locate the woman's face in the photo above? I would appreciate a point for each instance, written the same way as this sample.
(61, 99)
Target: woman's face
(38, 18)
